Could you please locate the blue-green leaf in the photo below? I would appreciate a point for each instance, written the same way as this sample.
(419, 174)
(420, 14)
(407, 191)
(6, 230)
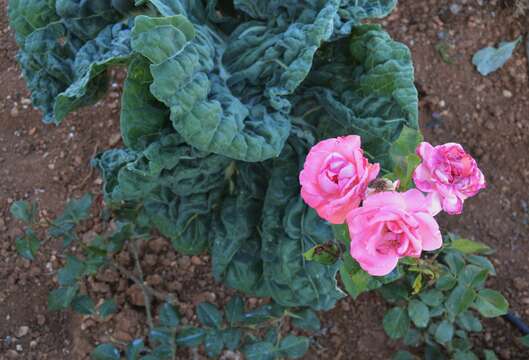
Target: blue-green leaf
(490, 59)
(105, 352)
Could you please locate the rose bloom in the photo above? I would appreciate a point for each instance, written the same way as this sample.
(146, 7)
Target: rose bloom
(449, 174)
(391, 225)
(335, 177)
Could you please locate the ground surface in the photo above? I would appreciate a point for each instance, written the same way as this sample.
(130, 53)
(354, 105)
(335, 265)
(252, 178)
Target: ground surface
(489, 116)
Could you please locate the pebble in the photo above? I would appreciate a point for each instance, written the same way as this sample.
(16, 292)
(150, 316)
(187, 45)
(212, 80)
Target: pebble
(22, 331)
(114, 139)
(135, 295)
(507, 94)
(455, 8)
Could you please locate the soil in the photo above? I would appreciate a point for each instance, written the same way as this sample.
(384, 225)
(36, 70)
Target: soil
(488, 115)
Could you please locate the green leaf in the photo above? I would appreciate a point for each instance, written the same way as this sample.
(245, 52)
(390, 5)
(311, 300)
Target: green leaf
(307, 320)
(107, 308)
(168, 315)
(260, 351)
(190, 337)
(467, 246)
(446, 282)
(341, 233)
(432, 297)
(455, 262)
(465, 355)
(403, 355)
(234, 310)
(418, 313)
(24, 211)
(232, 338)
(444, 332)
(209, 315)
(105, 352)
(413, 338)
(28, 245)
(491, 303)
(490, 355)
(134, 349)
(326, 254)
(61, 298)
(403, 156)
(396, 323)
(469, 322)
(163, 337)
(213, 343)
(482, 262)
(490, 59)
(294, 347)
(473, 276)
(460, 299)
(73, 270)
(437, 311)
(84, 305)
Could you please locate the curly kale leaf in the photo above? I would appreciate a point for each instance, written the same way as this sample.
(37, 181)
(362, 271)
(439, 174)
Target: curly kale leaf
(65, 47)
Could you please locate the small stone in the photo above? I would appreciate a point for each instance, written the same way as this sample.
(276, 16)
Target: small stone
(154, 280)
(135, 295)
(22, 331)
(11, 354)
(114, 139)
(195, 260)
(41, 319)
(33, 344)
(14, 112)
(507, 94)
(157, 245)
(455, 8)
(32, 131)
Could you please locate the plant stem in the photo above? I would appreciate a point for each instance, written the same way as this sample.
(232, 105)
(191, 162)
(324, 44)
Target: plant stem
(146, 295)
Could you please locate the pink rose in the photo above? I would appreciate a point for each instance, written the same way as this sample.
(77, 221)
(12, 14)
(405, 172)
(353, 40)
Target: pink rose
(391, 225)
(335, 177)
(449, 174)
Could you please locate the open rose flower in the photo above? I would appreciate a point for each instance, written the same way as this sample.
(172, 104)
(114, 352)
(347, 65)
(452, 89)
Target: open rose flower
(391, 225)
(335, 177)
(449, 174)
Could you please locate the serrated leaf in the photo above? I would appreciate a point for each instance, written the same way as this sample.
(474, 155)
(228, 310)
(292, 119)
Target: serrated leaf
(460, 299)
(28, 245)
(61, 298)
(307, 320)
(419, 313)
(260, 351)
(107, 308)
(24, 211)
(71, 272)
(168, 315)
(232, 338)
(403, 156)
(213, 343)
(83, 304)
(432, 297)
(491, 303)
(444, 332)
(413, 338)
(105, 352)
(473, 276)
(396, 323)
(482, 262)
(467, 246)
(469, 322)
(490, 59)
(234, 309)
(190, 337)
(209, 315)
(294, 347)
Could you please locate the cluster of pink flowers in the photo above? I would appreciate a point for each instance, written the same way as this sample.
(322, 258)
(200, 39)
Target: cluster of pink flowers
(384, 225)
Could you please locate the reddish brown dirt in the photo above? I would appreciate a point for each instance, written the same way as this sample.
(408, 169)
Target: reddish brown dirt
(488, 115)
